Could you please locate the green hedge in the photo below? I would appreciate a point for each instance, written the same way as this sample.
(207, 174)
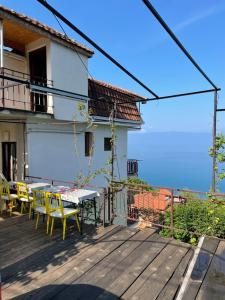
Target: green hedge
(201, 216)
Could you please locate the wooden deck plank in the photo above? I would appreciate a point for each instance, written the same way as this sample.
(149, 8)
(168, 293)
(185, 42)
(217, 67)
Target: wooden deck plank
(201, 267)
(109, 268)
(173, 285)
(36, 240)
(131, 268)
(7, 221)
(213, 286)
(56, 253)
(150, 283)
(27, 248)
(69, 271)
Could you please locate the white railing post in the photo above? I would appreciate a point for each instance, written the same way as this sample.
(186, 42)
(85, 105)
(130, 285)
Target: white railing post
(1, 44)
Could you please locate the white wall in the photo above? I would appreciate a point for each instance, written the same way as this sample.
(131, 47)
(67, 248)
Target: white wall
(57, 152)
(68, 73)
(65, 69)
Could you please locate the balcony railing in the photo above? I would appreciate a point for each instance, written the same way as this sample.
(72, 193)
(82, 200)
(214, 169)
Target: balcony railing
(18, 95)
(132, 167)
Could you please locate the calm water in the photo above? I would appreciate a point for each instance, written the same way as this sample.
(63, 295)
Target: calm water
(173, 159)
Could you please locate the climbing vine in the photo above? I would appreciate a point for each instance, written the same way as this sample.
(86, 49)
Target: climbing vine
(219, 153)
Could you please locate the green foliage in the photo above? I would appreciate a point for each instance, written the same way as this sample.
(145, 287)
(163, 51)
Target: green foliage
(136, 180)
(219, 153)
(80, 106)
(187, 195)
(194, 218)
(139, 183)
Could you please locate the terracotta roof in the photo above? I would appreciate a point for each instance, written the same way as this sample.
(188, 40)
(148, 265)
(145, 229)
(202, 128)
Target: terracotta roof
(158, 200)
(101, 94)
(46, 28)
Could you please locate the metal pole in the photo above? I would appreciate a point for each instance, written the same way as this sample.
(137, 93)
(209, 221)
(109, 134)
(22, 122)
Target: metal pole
(214, 143)
(175, 39)
(171, 213)
(1, 44)
(96, 46)
(113, 157)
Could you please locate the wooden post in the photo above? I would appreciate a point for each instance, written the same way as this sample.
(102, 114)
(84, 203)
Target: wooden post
(214, 143)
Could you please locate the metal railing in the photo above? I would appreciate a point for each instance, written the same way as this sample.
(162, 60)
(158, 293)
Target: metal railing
(15, 95)
(132, 167)
(182, 213)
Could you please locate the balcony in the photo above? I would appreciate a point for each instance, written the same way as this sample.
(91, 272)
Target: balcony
(132, 168)
(16, 94)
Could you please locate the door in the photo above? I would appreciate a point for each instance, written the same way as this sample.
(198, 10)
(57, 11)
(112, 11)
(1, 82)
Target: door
(38, 75)
(9, 160)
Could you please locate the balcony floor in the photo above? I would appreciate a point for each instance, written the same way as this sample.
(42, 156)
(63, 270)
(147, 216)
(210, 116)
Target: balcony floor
(109, 263)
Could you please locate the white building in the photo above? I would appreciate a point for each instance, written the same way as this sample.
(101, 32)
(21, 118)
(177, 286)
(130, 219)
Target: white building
(54, 121)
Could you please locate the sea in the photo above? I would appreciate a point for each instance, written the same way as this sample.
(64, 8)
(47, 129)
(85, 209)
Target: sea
(173, 159)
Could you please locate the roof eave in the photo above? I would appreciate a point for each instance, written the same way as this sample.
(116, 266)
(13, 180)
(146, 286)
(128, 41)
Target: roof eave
(6, 14)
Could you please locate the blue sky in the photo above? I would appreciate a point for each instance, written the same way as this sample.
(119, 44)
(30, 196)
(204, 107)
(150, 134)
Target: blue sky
(130, 33)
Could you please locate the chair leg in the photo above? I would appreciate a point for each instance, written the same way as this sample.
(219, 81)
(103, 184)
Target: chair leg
(30, 206)
(48, 222)
(64, 228)
(10, 207)
(52, 225)
(37, 221)
(21, 210)
(77, 221)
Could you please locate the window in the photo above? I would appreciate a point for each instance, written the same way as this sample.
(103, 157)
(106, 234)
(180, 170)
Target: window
(107, 144)
(88, 143)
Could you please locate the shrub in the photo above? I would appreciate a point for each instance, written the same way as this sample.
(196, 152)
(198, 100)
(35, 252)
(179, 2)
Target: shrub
(196, 216)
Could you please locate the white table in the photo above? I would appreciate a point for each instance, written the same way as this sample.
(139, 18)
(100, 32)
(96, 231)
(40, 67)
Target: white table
(37, 186)
(79, 195)
(75, 196)
(31, 186)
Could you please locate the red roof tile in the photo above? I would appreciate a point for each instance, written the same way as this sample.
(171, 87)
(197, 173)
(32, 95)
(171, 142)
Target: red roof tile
(46, 28)
(157, 200)
(101, 94)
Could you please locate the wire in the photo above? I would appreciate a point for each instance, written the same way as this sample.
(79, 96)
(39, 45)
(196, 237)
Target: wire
(96, 46)
(74, 48)
(176, 40)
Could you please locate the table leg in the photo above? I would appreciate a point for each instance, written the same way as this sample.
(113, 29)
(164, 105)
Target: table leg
(95, 212)
(82, 217)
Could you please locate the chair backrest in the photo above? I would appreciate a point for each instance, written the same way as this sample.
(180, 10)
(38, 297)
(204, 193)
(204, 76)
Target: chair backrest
(55, 202)
(1, 187)
(22, 190)
(5, 189)
(40, 200)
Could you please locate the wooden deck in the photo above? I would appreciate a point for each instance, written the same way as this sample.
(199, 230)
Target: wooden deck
(110, 263)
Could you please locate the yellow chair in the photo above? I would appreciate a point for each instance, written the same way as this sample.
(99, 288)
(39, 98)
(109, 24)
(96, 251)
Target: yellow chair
(41, 206)
(24, 197)
(6, 197)
(58, 211)
(1, 200)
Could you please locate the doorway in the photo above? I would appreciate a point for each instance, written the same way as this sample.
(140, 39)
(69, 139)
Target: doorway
(9, 160)
(38, 75)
